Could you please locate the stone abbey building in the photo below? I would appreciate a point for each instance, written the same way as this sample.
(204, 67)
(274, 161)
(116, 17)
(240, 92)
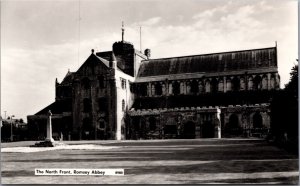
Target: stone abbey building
(124, 94)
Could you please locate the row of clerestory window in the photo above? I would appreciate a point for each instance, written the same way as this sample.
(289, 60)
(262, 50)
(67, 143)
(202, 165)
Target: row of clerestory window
(213, 85)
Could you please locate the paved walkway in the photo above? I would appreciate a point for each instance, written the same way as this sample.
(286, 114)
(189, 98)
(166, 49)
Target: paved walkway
(198, 161)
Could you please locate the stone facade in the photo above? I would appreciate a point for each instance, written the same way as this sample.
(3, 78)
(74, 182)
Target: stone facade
(91, 103)
(123, 94)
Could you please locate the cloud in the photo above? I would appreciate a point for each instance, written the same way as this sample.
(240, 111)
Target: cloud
(151, 22)
(231, 27)
(28, 74)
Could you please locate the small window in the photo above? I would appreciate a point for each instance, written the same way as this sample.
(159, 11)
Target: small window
(123, 105)
(123, 83)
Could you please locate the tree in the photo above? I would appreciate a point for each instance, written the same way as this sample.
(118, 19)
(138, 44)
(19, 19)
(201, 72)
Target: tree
(292, 86)
(284, 114)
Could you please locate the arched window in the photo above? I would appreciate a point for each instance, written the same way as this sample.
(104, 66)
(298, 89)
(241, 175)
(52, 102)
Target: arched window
(214, 85)
(201, 86)
(170, 88)
(228, 85)
(194, 87)
(158, 89)
(123, 105)
(233, 121)
(152, 123)
(102, 83)
(221, 86)
(257, 120)
(257, 83)
(182, 87)
(235, 84)
(86, 83)
(188, 87)
(272, 82)
(87, 106)
(176, 88)
(207, 86)
(152, 89)
(250, 83)
(264, 82)
(242, 84)
(143, 89)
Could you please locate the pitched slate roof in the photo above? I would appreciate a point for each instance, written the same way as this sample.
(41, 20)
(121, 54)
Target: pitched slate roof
(105, 55)
(104, 61)
(208, 63)
(57, 107)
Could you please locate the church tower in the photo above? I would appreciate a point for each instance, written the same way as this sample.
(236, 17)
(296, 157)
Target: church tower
(125, 54)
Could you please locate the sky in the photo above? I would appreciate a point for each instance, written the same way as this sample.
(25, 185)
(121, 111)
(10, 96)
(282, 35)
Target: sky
(42, 40)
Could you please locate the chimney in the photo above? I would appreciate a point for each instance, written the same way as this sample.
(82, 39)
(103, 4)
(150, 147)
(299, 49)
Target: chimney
(147, 53)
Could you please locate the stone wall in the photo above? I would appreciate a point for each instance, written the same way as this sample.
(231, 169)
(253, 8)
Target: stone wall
(200, 122)
(94, 102)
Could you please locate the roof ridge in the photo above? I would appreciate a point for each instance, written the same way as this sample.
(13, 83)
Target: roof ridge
(211, 53)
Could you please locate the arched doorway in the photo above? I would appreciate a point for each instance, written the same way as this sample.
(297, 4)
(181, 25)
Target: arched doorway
(189, 130)
(257, 120)
(233, 127)
(152, 123)
(208, 129)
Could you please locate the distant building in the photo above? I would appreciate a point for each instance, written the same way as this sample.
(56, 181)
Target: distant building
(124, 94)
(16, 127)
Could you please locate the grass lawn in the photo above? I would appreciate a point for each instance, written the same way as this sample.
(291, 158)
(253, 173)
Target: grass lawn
(198, 161)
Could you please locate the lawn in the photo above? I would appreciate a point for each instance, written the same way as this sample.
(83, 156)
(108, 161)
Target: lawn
(198, 161)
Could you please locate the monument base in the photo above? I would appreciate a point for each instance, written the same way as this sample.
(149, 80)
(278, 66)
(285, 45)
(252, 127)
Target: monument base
(47, 143)
(50, 140)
